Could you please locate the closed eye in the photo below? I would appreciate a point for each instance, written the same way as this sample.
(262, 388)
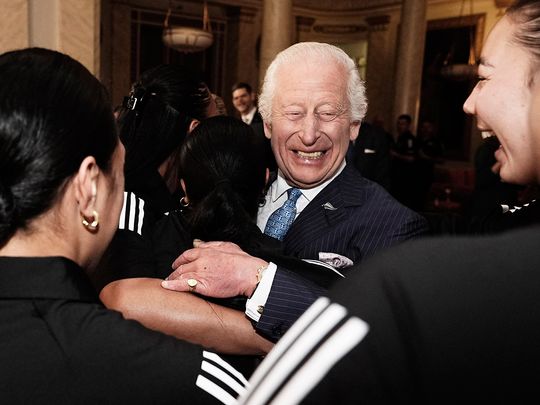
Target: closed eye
(293, 115)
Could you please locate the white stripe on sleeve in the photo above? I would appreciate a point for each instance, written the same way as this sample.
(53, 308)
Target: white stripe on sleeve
(327, 355)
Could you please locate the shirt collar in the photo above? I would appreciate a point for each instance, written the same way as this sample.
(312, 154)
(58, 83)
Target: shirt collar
(280, 186)
(247, 118)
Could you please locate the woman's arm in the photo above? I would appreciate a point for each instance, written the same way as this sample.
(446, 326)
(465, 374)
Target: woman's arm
(184, 316)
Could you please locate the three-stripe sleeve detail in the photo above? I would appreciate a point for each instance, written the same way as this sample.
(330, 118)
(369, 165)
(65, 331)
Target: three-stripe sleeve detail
(220, 379)
(132, 215)
(307, 352)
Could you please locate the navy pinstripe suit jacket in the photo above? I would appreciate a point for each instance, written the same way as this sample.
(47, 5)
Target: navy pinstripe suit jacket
(364, 219)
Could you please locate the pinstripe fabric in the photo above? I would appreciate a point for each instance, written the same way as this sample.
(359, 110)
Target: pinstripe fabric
(366, 220)
(290, 296)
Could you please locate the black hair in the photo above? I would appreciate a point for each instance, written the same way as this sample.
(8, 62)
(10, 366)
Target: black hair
(242, 85)
(156, 118)
(405, 117)
(53, 114)
(222, 165)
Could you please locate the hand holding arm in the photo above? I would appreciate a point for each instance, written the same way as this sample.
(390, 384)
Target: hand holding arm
(221, 270)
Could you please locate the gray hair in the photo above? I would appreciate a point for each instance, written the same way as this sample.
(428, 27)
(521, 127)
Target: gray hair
(356, 91)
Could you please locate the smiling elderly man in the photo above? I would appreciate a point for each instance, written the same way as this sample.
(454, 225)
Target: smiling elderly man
(312, 103)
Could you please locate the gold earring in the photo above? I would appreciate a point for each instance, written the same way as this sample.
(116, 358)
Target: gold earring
(184, 202)
(91, 226)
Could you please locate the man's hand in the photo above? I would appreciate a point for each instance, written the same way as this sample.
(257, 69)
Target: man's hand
(221, 270)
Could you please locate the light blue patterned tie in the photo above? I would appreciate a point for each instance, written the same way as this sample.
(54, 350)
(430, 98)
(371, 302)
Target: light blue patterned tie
(281, 219)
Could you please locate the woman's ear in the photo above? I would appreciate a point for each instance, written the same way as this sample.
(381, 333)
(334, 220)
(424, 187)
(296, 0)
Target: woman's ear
(183, 185)
(193, 125)
(86, 186)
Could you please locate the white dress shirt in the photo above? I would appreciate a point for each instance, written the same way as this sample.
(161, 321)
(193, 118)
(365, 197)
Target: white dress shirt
(247, 118)
(276, 196)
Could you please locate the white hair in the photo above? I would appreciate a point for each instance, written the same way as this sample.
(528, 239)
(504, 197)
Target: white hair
(356, 91)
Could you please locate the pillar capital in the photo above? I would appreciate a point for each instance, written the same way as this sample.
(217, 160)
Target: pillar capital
(378, 22)
(247, 14)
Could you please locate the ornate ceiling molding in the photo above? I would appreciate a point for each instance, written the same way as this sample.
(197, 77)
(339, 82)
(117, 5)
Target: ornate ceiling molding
(339, 29)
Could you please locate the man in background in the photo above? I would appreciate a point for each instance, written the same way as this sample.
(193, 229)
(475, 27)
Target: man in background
(244, 100)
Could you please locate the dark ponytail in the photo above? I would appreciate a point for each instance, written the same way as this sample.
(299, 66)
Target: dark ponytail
(222, 164)
(53, 114)
(156, 117)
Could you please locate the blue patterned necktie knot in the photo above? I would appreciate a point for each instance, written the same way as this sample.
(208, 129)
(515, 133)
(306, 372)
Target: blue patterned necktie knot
(281, 219)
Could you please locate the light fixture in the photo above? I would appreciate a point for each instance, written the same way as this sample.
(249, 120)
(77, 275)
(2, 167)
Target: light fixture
(188, 39)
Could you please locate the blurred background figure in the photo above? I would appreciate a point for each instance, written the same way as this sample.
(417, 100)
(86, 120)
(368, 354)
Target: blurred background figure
(406, 186)
(370, 154)
(430, 153)
(221, 109)
(245, 101)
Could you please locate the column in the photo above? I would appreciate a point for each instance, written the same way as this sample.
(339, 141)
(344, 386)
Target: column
(68, 26)
(120, 52)
(14, 27)
(247, 59)
(276, 31)
(410, 57)
(79, 31)
(379, 70)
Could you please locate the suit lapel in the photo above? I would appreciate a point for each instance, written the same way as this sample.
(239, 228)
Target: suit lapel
(326, 210)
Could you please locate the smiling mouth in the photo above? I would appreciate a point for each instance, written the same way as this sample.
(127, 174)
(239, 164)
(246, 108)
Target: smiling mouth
(310, 155)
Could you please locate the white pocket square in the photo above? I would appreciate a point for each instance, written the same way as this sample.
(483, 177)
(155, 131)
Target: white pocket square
(369, 151)
(335, 260)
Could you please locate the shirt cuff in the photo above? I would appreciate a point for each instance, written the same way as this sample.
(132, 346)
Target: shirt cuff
(255, 304)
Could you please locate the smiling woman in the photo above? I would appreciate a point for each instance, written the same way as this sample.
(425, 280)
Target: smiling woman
(501, 99)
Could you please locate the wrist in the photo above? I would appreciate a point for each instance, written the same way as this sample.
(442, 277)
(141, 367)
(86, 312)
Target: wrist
(255, 276)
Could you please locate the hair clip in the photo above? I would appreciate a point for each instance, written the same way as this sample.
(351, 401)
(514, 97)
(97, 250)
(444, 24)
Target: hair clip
(135, 99)
(132, 101)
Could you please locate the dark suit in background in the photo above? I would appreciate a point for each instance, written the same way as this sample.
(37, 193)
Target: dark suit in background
(370, 154)
(258, 126)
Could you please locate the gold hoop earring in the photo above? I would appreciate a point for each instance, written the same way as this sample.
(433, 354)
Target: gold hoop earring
(91, 226)
(183, 202)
